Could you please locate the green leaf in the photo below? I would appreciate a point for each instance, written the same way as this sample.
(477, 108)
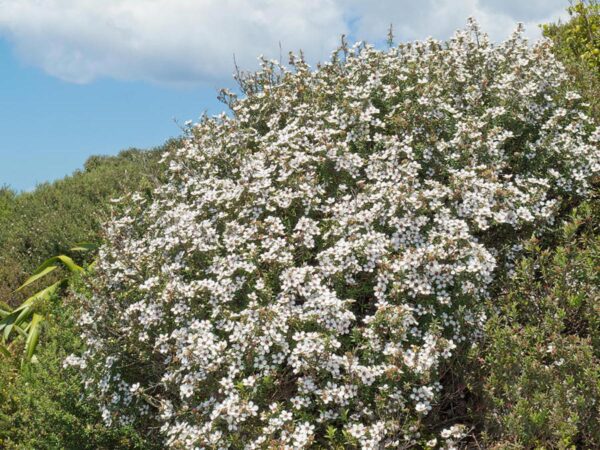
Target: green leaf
(50, 265)
(7, 325)
(44, 294)
(4, 351)
(20, 313)
(33, 336)
(575, 300)
(23, 314)
(21, 331)
(70, 264)
(84, 247)
(37, 275)
(330, 433)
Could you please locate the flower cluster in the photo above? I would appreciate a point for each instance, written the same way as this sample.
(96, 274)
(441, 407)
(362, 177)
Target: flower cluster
(316, 257)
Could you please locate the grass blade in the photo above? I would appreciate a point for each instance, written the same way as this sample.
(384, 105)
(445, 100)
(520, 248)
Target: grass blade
(41, 272)
(50, 265)
(84, 247)
(33, 336)
(69, 263)
(4, 351)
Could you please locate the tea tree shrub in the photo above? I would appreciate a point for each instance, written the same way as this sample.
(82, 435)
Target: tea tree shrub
(314, 261)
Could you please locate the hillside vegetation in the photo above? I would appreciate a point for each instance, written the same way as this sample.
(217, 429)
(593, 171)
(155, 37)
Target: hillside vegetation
(50, 219)
(34, 226)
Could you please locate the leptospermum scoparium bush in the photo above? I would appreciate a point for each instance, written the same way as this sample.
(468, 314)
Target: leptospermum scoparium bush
(315, 259)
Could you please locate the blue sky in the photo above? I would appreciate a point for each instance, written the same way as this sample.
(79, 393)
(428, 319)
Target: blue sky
(49, 127)
(84, 77)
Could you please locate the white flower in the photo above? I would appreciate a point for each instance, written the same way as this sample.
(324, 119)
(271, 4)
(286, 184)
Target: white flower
(187, 390)
(421, 407)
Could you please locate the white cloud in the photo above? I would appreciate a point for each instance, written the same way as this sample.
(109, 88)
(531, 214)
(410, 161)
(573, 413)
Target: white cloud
(193, 41)
(439, 18)
(163, 40)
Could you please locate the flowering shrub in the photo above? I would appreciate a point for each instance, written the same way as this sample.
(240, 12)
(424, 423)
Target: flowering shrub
(314, 260)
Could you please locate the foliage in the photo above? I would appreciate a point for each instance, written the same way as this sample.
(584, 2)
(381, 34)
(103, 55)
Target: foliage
(313, 262)
(42, 407)
(24, 320)
(45, 222)
(40, 404)
(534, 381)
(579, 39)
(577, 45)
(537, 373)
(531, 379)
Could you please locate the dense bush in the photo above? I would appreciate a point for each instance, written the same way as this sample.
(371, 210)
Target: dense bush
(42, 407)
(531, 380)
(534, 381)
(577, 45)
(537, 372)
(313, 262)
(578, 40)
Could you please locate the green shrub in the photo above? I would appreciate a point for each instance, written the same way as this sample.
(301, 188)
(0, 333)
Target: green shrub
(47, 221)
(537, 373)
(533, 381)
(577, 45)
(25, 321)
(41, 406)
